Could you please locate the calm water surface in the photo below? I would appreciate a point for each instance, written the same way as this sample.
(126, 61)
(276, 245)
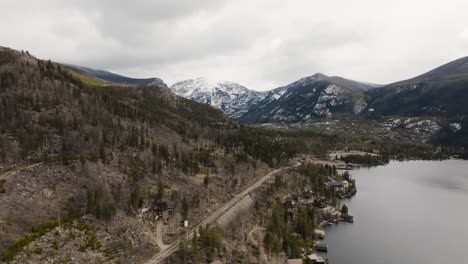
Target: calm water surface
(406, 212)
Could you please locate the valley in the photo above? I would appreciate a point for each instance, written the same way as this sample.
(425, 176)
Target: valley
(99, 167)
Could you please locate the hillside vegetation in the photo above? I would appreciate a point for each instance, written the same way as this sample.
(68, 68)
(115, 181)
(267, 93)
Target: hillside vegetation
(71, 146)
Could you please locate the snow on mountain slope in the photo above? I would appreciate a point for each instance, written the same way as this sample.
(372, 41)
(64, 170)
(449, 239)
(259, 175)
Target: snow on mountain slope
(231, 98)
(309, 97)
(315, 96)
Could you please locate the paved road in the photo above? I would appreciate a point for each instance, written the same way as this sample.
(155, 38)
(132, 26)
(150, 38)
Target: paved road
(164, 253)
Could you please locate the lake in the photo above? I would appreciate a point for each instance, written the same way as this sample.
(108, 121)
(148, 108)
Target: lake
(406, 212)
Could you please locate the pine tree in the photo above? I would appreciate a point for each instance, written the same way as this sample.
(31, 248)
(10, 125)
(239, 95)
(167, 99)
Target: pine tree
(185, 208)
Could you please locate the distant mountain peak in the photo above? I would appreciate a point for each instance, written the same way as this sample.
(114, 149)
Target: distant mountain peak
(337, 80)
(319, 75)
(230, 97)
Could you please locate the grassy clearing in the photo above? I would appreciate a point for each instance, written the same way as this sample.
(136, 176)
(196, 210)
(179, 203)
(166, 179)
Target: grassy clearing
(86, 78)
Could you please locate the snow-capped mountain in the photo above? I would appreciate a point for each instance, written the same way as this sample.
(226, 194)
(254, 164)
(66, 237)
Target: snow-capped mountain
(310, 97)
(231, 98)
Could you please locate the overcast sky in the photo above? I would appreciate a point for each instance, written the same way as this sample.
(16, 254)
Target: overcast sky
(261, 44)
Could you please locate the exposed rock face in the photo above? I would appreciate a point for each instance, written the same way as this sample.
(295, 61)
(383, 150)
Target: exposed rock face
(310, 97)
(317, 96)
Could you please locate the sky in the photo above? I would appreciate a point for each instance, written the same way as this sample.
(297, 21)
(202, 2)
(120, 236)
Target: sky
(261, 44)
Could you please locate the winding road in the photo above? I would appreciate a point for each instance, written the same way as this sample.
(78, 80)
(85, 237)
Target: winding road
(166, 252)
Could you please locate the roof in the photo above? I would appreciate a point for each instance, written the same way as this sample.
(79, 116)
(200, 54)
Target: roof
(336, 184)
(295, 261)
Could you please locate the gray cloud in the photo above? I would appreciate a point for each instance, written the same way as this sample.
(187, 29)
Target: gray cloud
(259, 43)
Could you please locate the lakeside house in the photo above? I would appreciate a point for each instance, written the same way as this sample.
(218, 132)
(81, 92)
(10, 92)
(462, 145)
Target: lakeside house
(334, 184)
(316, 258)
(339, 185)
(319, 233)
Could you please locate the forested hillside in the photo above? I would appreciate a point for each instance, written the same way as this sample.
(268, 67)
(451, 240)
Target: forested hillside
(71, 146)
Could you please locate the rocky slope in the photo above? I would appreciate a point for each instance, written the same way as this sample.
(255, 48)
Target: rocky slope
(317, 96)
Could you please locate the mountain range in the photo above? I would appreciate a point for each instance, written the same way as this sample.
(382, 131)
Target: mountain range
(440, 92)
(231, 98)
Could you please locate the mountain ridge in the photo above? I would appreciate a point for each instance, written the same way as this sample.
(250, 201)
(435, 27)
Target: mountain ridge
(117, 78)
(238, 101)
(230, 97)
(313, 96)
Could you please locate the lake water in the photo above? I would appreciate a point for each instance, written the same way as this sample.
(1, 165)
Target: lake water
(406, 212)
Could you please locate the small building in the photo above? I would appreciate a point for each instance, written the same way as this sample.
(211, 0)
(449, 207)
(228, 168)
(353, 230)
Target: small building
(160, 207)
(319, 233)
(294, 261)
(335, 184)
(316, 258)
(162, 210)
(321, 247)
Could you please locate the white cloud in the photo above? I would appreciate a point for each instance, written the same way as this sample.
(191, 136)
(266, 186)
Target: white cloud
(259, 43)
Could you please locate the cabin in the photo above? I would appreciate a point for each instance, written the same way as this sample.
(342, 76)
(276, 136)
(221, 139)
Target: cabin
(162, 210)
(160, 207)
